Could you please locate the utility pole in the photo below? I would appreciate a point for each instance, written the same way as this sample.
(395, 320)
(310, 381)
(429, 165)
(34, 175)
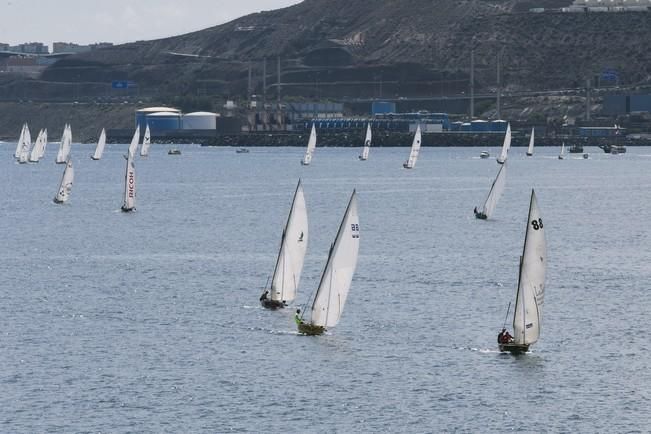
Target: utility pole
(278, 72)
(264, 80)
(472, 83)
(499, 84)
(249, 89)
(588, 97)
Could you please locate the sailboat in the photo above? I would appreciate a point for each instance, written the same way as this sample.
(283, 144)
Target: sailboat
(367, 144)
(64, 147)
(130, 175)
(65, 186)
(493, 195)
(146, 141)
(25, 147)
(505, 146)
(337, 276)
(99, 149)
(37, 150)
(531, 140)
(561, 156)
(291, 254)
(311, 146)
(133, 147)
(415, 150)
(19, 143)
(44, 142)
(530, 295)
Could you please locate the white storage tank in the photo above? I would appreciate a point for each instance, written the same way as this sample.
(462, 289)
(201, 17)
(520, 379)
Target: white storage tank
(200, 121)
(163, 121)
(141, 115)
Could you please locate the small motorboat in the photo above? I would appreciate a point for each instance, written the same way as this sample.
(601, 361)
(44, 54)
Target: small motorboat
(586, 156)
(174, 151)
(242, 151)
(484, 154)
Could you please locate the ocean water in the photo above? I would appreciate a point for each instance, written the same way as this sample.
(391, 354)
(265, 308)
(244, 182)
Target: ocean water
(149, 322)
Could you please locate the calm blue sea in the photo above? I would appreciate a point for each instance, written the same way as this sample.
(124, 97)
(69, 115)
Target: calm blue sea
(149, 322)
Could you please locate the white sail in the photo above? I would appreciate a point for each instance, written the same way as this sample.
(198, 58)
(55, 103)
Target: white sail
(562, 154)
(311, 146)
(129, 185)
(65, 186)
(19, 143)
(505, 146)
(531, 142)
(531, 284)
(495, 192)
(101, 143)
(44, 144)
(367, 143)
(133, 147)
(146, 141)
(64, 147)
(415, 150)
(37, 150)
(337, 277)
(289, 264)
(25, 146)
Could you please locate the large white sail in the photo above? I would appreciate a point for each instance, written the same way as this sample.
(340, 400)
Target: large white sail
(289, 264)
(19, 143)
(130, 175)
(505, 146)
(133, 147)
(37, 150)
(531, 142)
(562, 154)
(101, 143)
(338, 274)
(531, 283)
(64, 147)
(311, 146)
(25, 146)
(146, 141)
(495, 192)
(65, 186)
(367, 143)
(415, 150)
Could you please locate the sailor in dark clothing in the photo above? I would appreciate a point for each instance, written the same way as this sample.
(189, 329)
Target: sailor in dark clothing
(263, 297)
(297, 317)
(500, 337)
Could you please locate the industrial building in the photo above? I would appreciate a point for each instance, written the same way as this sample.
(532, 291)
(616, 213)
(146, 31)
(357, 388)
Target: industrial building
(624, 104)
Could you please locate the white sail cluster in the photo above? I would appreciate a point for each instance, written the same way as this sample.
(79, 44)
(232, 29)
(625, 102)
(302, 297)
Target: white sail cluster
(415, 150)
(101, 143)
(65, 145)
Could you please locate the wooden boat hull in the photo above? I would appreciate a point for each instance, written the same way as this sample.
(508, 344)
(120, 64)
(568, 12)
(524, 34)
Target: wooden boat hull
(272, 304)
(514, 348)
(310, 329)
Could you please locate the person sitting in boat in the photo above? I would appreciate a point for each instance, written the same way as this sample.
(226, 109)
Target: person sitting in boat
(297, 317)
(264, 296)
(505, 337)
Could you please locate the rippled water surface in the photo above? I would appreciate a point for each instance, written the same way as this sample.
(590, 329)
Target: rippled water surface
(149, 322)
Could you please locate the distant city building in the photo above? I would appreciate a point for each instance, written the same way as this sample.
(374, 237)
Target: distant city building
(4, 47)
(71, 47)
(30, 48)
(609, 6)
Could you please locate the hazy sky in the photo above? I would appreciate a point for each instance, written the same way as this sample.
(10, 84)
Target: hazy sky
(88, 21)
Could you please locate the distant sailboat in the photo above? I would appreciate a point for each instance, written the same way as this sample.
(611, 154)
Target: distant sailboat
(531, 141)
(415, 150)
(505, 146)
(367, 144)
(37, 150)
(561, 156)
(493, 195)
(337, 276)
(64, 147)
(99, 149)
(19, 143)
(291, 255)
(65, 186)
(531, 285)
(311, 146)
(130, 176)
(146, 141)
(25, 147)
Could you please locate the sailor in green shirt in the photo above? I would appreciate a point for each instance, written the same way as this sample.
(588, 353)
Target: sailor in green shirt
(297, 317)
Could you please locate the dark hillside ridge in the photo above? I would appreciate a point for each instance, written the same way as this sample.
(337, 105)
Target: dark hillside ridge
(369, 49)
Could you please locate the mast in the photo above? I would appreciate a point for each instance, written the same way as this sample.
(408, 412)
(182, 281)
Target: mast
(495, 194)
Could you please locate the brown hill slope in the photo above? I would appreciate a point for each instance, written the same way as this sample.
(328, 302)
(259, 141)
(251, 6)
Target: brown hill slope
(362, 48)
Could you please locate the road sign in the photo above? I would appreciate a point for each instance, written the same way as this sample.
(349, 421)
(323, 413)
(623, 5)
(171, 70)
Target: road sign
(119, 84)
